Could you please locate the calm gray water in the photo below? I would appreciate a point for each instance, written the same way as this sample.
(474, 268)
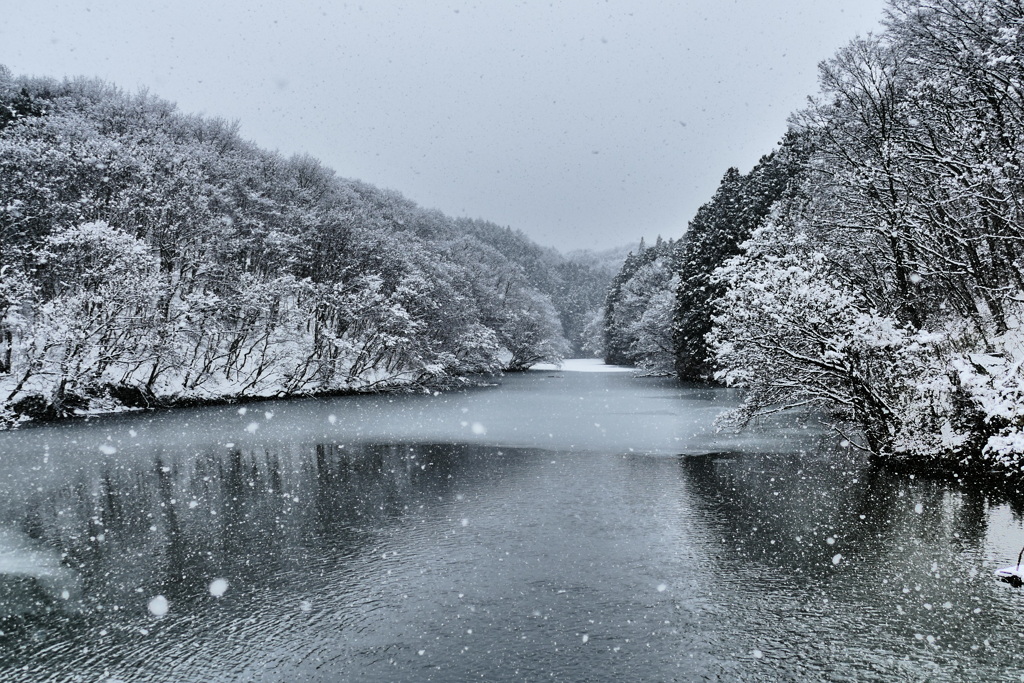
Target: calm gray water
(560, 526)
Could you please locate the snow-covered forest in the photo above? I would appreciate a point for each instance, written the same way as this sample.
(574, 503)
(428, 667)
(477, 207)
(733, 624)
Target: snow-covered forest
(149, 257)
(871, 267)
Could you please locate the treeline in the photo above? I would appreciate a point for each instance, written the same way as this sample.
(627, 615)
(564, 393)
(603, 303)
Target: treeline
(871, 267)
(576, 282)
(150, 257)
(637, 324)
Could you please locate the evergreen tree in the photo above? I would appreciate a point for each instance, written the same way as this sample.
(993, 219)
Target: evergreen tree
(741, 203)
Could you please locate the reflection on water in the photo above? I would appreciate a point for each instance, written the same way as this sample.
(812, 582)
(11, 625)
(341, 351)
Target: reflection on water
(326, 553)
(854, 573)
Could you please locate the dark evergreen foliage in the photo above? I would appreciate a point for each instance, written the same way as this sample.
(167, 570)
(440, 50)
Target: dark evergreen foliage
(741, 203)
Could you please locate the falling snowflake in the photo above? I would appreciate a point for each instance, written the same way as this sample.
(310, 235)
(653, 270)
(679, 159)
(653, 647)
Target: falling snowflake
(218, 587)
(158, 606)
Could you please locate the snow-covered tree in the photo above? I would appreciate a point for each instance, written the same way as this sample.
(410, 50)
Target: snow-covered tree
(888, 292)
(88, 323)
(637, 292)
(148, 257)
(531, 331)
(739, 205)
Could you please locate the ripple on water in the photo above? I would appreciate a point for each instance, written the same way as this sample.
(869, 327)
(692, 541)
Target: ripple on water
(405, 560)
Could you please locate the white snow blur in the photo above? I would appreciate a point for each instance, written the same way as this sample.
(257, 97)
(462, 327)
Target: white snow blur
(158, 606)
(218, 587)
(582, 365)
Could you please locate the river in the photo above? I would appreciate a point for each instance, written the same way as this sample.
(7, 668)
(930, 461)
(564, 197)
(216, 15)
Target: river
(558, 525)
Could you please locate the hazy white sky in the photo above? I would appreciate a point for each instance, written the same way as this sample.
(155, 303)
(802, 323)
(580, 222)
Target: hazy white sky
(584, 124)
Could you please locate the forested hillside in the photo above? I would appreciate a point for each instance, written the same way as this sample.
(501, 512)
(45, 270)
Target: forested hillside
(871, 267)
(150, 257)
(637, 322)
(576, 282)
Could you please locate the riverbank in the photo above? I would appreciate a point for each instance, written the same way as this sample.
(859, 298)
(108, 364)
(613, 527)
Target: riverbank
(114, 400)
(117, 400)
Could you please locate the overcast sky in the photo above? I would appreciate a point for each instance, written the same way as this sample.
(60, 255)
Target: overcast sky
(584, 124)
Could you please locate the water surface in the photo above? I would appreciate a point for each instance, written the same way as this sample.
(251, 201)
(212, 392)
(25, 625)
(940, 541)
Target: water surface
(558, 525)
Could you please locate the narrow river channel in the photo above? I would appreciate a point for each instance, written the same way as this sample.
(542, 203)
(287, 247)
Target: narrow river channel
(568, 526)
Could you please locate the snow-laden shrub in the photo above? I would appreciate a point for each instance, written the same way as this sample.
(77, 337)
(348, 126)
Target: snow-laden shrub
(994, 383)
